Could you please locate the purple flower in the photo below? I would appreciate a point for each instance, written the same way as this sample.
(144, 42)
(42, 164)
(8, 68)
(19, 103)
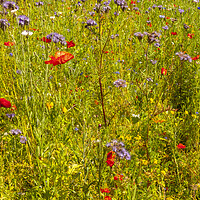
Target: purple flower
(91, 22)
(160, 7)
(181, 11)
(116, 13)
(184, 57)
(4, 24)
(40, 3)
(10, 116)
(165, 27)
(55, 37)
(153, 62)
(23, 139)
(139, 35)
(162, 16)
(15, 132)
(10, 5)
(23, 20)
(106, 9)
(120, 83)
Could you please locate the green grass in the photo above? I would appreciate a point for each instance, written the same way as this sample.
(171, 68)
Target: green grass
(60, 110)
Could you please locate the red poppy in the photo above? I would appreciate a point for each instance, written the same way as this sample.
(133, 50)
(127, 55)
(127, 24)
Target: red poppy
(174, 33)
(150, 25)
(163, 71)
(9, 44)
(168, 17)
(190, 35)
(195, 58)
(61, 57)
(5, 103)
(106, 190)
(110, 158)
(110, 163)
(14, 107)
(118, 177)
(44, 39)
(133, 2)
(181, 146)
(107, 198)
(70, 44)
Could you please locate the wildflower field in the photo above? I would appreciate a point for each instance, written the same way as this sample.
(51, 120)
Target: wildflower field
(99, 99)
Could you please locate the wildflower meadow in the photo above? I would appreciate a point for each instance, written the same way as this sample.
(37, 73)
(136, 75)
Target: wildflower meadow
(100, 99)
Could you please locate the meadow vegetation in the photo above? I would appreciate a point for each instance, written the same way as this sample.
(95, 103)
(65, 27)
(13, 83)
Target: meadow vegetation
(100, 99)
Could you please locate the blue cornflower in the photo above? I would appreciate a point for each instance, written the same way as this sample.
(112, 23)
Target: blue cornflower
(76, 129)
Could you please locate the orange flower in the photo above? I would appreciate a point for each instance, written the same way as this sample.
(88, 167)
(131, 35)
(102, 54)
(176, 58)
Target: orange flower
(61, 57)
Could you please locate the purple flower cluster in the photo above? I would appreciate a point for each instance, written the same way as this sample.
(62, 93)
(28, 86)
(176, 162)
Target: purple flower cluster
(90, 22)
(23, 139)
(15, 132)
(10, 116)
(10, 5)
(122, 4)
(184, 57)
(55, 37)
(118, 148)
(23, 20)
(40, 3)
(4, 24)
(120, 83)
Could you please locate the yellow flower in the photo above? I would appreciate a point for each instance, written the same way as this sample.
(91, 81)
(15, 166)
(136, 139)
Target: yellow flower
(50, 105)
(186, 112)
(151, 100)
(145, 162)
(172, 112)
(64, 109)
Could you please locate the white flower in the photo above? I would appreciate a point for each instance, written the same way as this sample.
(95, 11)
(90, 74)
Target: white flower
(136, 116)
(52, 17)
(27, 33)
(13, 11)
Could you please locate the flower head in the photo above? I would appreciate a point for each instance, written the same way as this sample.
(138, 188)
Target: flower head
(55, 37)
(70, 44)
(23, 20)
(120, 83)
(184, 57)
(4, 24)
(163, 71)
(61, 57)
(181, 146)
(23, 139)
(10, 5)
(15, 132)
(9, 44)
(4, 103)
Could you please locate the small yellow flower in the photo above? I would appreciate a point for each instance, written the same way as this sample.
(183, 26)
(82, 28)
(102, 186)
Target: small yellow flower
(145, 162)
(172, 112)
(50, 105)
(151, 100)
(163, 172)
(186, 112)
(194, 116)
(155, 161)
(64, 109)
